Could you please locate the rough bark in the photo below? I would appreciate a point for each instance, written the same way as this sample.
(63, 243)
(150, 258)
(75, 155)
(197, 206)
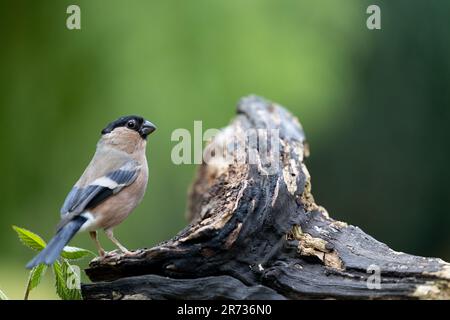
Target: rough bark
(256, 232)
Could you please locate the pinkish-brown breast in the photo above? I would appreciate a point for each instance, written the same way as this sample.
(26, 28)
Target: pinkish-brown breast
(116, 208)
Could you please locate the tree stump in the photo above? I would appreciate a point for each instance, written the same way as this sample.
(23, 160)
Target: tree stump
(255, 232)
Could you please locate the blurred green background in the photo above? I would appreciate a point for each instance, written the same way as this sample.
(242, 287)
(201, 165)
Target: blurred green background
(375, 106)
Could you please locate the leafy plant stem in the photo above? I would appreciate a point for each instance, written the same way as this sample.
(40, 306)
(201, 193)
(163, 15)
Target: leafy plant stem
(28, 289)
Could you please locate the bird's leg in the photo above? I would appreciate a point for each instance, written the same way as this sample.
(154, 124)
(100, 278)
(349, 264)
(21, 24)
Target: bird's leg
(110, 235)
(101, 251)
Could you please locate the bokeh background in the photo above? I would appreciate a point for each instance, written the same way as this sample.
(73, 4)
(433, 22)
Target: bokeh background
(375, 106)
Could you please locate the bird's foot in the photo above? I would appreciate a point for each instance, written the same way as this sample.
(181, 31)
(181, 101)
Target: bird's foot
(110, 254)
(102, 255)
(129, 253)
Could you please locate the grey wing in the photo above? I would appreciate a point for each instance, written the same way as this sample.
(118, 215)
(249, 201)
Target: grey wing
(83, 198)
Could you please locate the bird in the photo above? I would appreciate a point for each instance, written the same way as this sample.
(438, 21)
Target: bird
(110, 188)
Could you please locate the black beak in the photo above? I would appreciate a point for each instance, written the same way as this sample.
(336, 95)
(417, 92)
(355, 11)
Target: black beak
(147, 128)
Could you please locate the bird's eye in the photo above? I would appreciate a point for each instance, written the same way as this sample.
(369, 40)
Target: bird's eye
(131, 124)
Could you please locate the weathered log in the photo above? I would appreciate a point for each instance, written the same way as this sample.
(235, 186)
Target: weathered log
(256, 232)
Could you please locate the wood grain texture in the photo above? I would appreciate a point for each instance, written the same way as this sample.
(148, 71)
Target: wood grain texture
(256, 232)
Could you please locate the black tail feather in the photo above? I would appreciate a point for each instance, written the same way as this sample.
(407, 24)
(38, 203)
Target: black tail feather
(53, 249)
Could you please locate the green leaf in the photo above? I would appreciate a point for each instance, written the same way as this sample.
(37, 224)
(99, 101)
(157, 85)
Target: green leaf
(34, 278)
(60, 284)
(36, 275)
(72, 274)
(3, 296)
(74, 253)
(30, 239)
(67, 280)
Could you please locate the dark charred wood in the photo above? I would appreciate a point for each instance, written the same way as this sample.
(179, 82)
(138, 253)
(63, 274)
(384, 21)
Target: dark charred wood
(256, 232)
(158, 287)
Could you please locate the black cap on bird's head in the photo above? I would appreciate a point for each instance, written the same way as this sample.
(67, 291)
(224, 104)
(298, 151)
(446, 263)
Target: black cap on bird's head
(136, 123)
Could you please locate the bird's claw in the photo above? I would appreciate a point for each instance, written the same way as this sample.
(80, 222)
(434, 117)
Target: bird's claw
(131, 253)
(109, 254)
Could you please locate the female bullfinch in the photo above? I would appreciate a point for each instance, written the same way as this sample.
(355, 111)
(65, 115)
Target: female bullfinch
(112, 185)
